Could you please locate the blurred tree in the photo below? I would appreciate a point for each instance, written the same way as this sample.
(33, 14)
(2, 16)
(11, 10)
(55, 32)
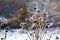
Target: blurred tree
(22, 14)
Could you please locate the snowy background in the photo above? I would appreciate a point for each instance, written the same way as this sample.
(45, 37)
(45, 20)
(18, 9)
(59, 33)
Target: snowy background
(17, 34)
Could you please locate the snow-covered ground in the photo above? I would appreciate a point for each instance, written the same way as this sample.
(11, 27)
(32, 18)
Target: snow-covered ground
(51, 34)
(17, 34)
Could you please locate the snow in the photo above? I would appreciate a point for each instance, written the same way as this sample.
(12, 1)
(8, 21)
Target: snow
(17, 34)
(51, 34)
(3, 19)
(14, 35)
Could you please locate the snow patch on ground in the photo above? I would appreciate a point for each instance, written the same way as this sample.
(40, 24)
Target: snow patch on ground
(17, 34)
